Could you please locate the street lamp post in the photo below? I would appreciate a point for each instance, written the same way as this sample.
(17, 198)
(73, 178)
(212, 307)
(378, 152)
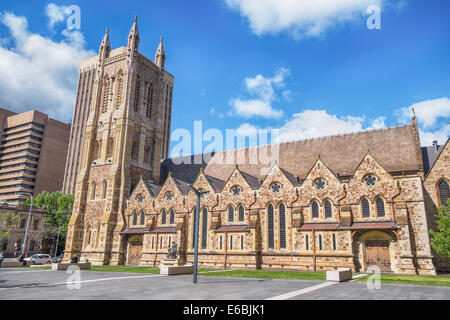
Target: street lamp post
(57, 239)
(24, 244)
(196, 223)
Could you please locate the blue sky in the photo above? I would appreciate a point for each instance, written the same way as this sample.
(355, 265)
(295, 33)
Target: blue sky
(246, 64)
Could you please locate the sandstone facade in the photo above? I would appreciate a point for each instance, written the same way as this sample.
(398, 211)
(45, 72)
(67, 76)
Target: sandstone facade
(352, 201)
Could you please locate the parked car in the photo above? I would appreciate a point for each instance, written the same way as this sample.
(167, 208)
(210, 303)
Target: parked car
(39, 259)
(58, 259)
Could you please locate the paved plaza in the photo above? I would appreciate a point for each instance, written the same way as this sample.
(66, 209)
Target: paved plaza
(52, 285)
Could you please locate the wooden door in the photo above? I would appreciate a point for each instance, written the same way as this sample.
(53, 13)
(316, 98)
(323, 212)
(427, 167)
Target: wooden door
(135, 252)
(377, 253)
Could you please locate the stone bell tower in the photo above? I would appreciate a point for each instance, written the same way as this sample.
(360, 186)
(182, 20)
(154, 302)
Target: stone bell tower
(126, 137)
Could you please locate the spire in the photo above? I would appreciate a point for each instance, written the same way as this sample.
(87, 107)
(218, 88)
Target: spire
(160, 56)
(133, 37)
(414, 118)
(105, 46)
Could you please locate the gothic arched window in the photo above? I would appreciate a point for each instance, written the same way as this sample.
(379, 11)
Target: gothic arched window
(149, 101)
(365, 208)
(241, 213)
(204, 228)
(142, 218)
(119, 89)
(163, 217)
(105, 188)
(328, 210)
(230, 214)
(137, 93)
(106, 90)
(282, 212)
(315, 210)
(135, 218)
(270, 226)
(444, 193)
(380, 208)
(172, 216)
(94, 186)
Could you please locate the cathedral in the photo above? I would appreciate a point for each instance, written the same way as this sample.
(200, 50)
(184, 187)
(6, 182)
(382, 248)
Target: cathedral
(363, 200)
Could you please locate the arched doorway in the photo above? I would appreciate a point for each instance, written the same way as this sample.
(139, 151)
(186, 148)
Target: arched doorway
(377, 249)
(135, 245)
(377, 254)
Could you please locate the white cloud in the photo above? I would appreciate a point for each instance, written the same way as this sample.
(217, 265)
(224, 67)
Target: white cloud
(56, 14)
(264, 90)
(316, 123)
(37, 72)
(428, 112)
(441, 135)
(433, 119)
(299, 17)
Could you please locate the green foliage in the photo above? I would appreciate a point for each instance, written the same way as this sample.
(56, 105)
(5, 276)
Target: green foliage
(10, 219)
(58, 206)
(441, 238)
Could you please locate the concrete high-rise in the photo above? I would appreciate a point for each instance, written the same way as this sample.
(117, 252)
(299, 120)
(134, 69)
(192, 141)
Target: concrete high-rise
(33, 150)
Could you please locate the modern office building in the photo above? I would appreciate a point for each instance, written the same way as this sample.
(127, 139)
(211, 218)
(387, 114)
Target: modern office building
(33, 151)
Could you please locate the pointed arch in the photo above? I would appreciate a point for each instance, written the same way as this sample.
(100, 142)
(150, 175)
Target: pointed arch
(104, 188)
(106, 94)
(135, 218)
(328, 209)
(137, 93)
(270, 228)
(163, 216)
(88, 235)
(365, 208)
(315, 209)
(119, 88)
(241, 213)
(142, 218)
(172, 216)
(93, 190)
(380, 207)
(148, 112)
(230, 213)
(444, 192)
(282, 224)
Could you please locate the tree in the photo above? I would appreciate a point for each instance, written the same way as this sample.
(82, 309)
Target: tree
(59, 209)
(441, 238)
(9, 219)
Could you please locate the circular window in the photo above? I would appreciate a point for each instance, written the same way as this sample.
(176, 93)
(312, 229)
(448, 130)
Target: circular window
(320, 184)
(169, 196)
(236, 190)
(370, 179)
(139, 198)
(275, 187)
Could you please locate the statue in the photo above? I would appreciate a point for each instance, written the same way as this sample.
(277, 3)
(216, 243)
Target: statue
(172, 252)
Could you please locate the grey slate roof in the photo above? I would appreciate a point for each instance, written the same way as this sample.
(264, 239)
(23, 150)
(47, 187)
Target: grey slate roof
(430, 155)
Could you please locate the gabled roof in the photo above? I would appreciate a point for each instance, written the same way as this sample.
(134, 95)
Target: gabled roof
(182, 185)
(430, 155)
(292, 179)
(395, 149)
(252, 181)
(154, 189)
(215, 183)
